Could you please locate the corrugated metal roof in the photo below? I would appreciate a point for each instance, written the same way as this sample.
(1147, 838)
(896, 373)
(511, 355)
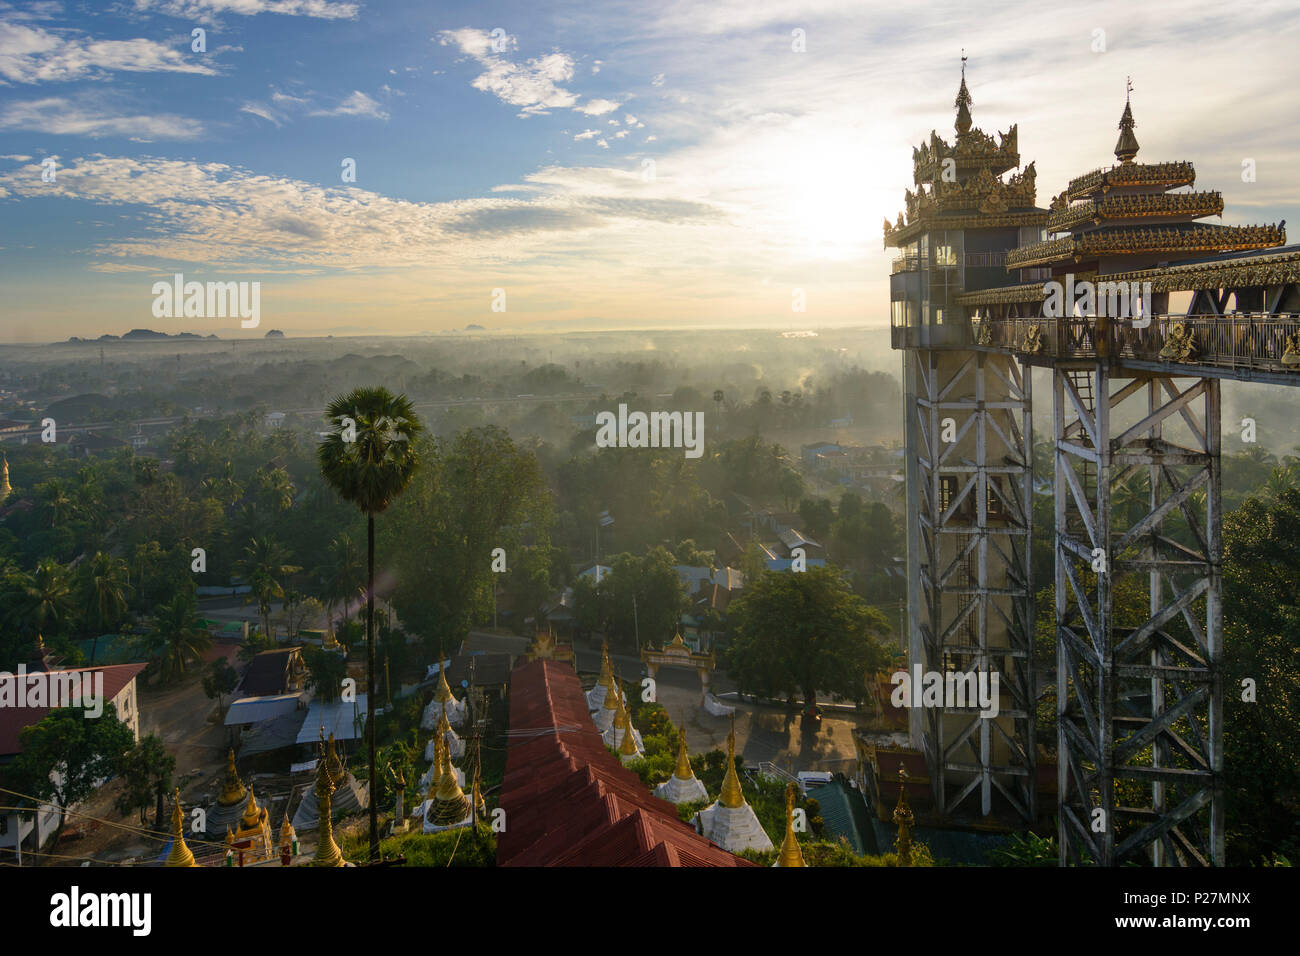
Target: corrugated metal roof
(252, 710)
(569, 801)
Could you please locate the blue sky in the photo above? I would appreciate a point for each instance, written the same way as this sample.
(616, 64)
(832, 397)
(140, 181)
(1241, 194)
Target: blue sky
(610, 165)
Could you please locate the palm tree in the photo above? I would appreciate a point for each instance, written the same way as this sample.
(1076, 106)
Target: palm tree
(105, 591)
(342, 575)
(263, 567)
(42, 599)
(174, 638)
(369, 459)
(56, 504)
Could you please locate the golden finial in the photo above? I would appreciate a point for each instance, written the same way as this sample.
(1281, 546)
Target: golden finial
(1127, 146)
(436, 777)
(232, 788)
(964, 101)
(683, 769)
(180, 854)
(731, 794)
(327, 851)
(287, 832)
(904, 819)
(230, 837)
(790, 854)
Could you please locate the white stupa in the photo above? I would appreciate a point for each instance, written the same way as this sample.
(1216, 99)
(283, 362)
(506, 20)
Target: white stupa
(443, 698)
(730, 821)
(683, 786)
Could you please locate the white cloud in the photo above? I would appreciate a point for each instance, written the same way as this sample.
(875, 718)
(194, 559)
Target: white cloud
(597, 107)
(260, 109)
(206, 10)
(658, 80)
(586, 134)
(62, 117)
(35, 55)
(620, 134)
(358, 104)
(603, 144)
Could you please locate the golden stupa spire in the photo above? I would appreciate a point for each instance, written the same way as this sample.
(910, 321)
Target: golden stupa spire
(232, 788)
(606, 678)
(5, 487)
(450, 803)
(612, 695)
(287, 832)
(904, 819)
(444, 725)
(731, 795)
(435, 778)
(443, 693)
(621, 721)
(790, 854)
(963, 101)
(327, 851)
(252, 813)
(683, 769)
(627, 747)
(333, 764)
(1127, 146)
(180, 854)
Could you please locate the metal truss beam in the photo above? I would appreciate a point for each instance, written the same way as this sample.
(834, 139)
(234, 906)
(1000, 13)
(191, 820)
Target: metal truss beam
(970, 514)
(1139, 621)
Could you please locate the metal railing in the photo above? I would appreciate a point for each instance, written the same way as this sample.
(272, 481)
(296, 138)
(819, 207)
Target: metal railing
(1243, 340)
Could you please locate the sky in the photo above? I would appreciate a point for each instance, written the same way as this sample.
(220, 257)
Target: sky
(606, 165)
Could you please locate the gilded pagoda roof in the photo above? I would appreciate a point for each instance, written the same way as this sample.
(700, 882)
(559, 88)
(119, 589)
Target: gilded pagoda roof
(1065, 217)
(1164, 175)
(1270, 268)
(972, 150)
(1146, 239)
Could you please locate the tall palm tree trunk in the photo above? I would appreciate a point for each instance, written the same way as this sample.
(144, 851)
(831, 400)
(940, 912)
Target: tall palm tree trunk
(370, 685)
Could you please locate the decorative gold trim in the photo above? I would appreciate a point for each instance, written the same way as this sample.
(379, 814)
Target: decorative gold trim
(1131, 174)
(1137, 206)
(1118, 242)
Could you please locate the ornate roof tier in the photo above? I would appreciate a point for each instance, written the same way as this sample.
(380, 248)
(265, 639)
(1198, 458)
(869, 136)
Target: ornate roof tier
(901, 234)
(1174, 240)
(965, 176)
(1276, 268)
(1101, 181)
(1126, 206)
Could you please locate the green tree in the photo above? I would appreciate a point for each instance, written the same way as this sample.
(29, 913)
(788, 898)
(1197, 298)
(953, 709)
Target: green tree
(220, 680)
(477, 492)
(65, 756)
(326, 670)
(264, 566)
(368, 459)
(803, 633)
(41, 602)
(174, 637)
(104, 590)
(146, 773)
(1261, 613)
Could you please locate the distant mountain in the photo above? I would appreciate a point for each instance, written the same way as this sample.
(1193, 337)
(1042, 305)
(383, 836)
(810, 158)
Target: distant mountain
(141, 335)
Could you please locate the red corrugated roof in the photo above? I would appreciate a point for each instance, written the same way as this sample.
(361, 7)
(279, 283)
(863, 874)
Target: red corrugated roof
(14, 719)
(569, 801)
